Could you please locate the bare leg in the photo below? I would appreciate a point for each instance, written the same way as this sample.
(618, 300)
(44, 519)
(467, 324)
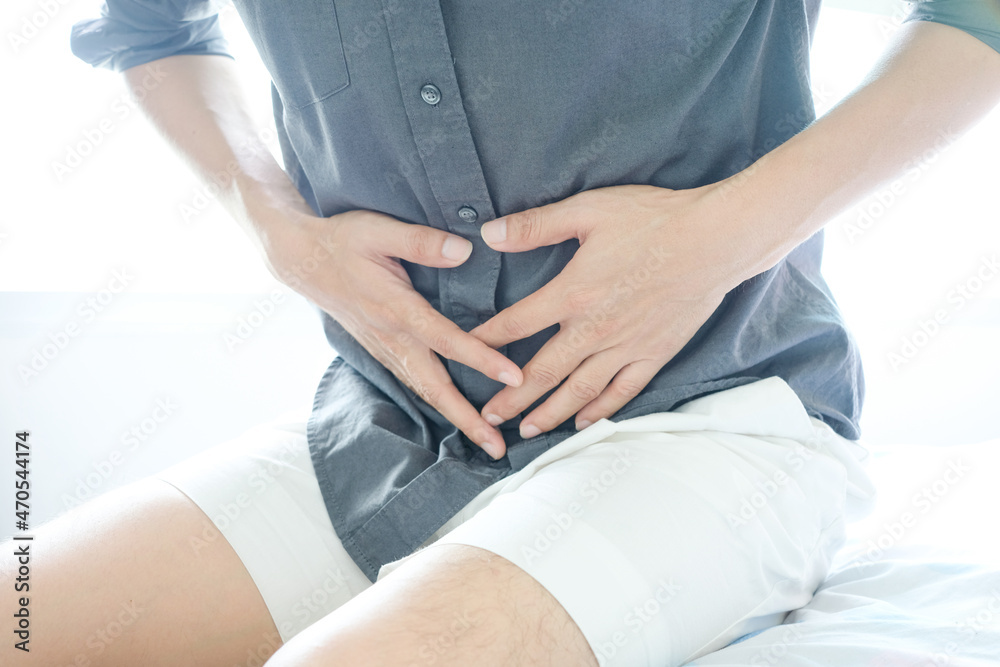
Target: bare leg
(118, 582)
(448, 605)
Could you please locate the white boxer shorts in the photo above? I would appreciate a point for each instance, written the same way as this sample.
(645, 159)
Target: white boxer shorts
(664, 537)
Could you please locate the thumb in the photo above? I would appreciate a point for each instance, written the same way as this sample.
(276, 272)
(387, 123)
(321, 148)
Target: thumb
(421, 244)
(535, 227)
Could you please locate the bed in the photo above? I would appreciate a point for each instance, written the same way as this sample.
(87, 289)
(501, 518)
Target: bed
(918, 582)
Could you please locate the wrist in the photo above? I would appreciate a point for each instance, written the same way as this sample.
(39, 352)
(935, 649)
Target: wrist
(750, 237)
(261, 198)
(770, 208)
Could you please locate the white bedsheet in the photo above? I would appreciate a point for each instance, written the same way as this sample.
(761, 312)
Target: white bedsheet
(892, 614)
(917, 584)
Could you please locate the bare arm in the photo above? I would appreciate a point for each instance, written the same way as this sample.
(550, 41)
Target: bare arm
(934, 80)
(198, 107)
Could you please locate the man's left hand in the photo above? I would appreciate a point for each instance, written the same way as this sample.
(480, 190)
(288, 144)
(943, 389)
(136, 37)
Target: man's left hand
(652, 267)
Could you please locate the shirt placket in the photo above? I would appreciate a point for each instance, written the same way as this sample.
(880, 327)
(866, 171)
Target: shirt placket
(434, 107)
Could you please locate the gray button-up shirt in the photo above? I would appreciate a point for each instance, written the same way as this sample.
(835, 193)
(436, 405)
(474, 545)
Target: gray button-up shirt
(453, 113)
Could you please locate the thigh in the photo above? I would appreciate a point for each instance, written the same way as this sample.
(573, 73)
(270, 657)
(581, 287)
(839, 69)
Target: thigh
(648, 542)
(115, 582)
(665, 549)
(260, 495)
(217, 560)
(664, 542)
(450, 605)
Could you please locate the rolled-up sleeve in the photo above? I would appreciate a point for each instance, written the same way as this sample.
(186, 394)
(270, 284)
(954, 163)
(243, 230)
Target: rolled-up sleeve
(135, 32)
(979, 18)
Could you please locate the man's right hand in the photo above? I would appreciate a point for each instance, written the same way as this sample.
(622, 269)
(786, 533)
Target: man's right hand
(199, 107)
(348, 265)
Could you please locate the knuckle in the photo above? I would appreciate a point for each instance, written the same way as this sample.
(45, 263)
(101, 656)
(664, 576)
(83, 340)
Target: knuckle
(382, 313)
(443, 344)
(417, 242)
(580, 299)
(583, 390)
(528, 225)
(432, 394)
(513, 329)
(375, 343)
(605, 327)
(419, 320)
(626, 389)
(543, 376)
(392, 347)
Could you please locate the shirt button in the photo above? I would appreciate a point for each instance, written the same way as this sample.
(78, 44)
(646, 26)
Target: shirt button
(468, 214)
(431, 94)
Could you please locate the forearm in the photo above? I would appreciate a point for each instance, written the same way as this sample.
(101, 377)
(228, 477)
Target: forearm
(934, 82)
(200, 110)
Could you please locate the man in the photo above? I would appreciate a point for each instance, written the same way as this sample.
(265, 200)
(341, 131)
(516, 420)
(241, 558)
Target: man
(521, 221)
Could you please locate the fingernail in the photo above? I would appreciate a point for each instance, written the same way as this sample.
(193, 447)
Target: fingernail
(530, 431)
(456, 249)
(582, 424)
(495, 231)
(508, 379)
(493, 449)
(492, 419)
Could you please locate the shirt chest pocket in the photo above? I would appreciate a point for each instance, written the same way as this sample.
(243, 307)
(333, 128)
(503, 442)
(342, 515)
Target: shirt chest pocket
(300, 44)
